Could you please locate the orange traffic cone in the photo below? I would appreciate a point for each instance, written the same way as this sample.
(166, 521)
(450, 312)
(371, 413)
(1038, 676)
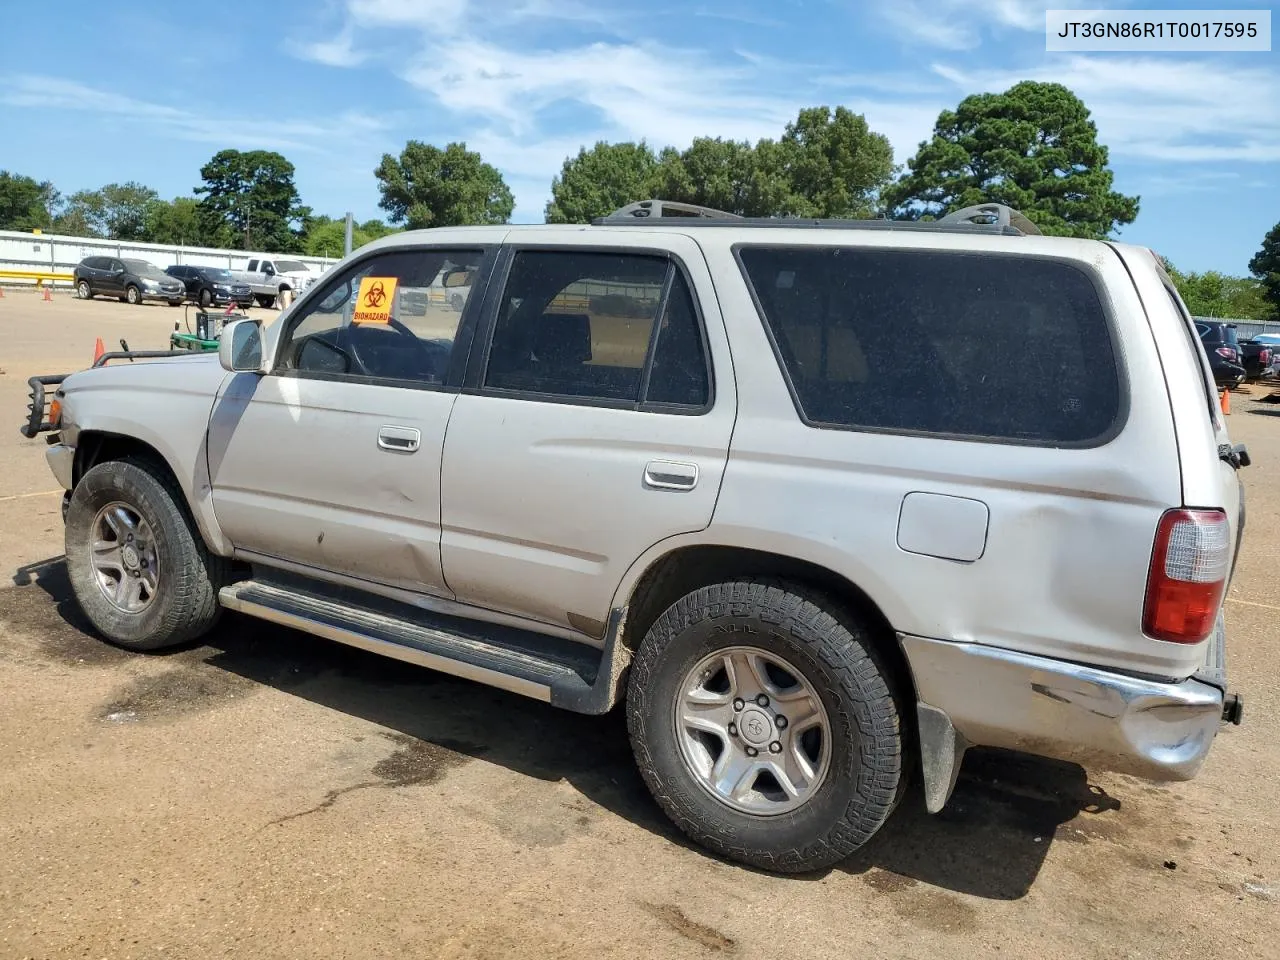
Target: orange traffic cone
(48, 293)
(1224, 401)
(98, 350)
(1, 293)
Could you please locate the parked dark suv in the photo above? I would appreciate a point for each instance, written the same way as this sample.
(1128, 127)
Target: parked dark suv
(1223, 348)
(130, 280)
(209, 285)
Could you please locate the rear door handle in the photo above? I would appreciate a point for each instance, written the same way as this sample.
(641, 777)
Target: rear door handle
(399, 439)
(670, 475)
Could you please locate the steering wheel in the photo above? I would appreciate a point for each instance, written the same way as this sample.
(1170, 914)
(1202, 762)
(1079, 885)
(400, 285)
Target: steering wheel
(434, 355)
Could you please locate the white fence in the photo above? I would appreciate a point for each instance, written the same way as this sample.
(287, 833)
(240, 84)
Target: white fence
(58, 254)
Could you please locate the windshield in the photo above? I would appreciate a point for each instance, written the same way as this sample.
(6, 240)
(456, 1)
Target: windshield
(141, 268)
(290, 266)
(213, 273)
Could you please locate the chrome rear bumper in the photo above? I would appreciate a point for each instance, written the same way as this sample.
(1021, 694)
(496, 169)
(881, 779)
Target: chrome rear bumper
(975, 695)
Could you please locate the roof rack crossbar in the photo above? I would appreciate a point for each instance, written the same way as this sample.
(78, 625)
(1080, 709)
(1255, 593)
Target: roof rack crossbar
(665, 208)
(1000, 214)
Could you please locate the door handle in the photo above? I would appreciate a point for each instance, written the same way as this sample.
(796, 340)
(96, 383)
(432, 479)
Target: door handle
(670, 475)
(399, 439)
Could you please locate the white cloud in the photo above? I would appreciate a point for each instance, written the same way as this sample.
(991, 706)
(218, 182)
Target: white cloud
(338, 52)
(46, 93)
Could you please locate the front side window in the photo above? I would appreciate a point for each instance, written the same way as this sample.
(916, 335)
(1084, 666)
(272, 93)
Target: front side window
(600, 326)
(1009, 348)
(377, 320)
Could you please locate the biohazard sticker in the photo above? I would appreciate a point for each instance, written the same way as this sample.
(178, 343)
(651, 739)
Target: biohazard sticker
(375, 300)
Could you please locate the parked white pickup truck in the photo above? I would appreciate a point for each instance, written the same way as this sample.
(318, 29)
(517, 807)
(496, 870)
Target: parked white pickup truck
(271, 279)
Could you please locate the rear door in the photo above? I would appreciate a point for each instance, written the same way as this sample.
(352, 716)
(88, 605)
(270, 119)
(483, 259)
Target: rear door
(594, 423)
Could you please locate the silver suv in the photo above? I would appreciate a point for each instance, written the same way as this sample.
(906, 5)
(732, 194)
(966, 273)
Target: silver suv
(826, 503)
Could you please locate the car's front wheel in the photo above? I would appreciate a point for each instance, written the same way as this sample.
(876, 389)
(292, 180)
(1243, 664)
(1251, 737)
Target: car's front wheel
(765, 725)
(206, 297)
(132, 294)
(139, 568)
(83, 290)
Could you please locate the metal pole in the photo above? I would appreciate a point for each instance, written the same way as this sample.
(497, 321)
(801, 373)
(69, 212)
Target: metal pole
(346, 243)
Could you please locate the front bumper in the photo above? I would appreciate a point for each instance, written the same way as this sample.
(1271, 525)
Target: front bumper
(62, 460)
(975, 695)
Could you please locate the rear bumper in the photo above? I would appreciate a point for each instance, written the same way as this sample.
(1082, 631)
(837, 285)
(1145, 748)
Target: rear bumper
(975, 695)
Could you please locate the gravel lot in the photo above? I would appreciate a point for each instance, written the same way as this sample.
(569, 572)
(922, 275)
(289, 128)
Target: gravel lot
(270, 794)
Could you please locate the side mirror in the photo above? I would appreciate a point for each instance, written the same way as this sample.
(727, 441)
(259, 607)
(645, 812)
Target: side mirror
(240, 346)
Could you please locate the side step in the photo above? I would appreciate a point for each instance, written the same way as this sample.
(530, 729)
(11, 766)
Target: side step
(569, 675)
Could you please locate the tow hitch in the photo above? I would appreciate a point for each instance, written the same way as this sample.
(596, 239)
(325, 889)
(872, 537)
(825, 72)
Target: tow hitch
(1233, 709)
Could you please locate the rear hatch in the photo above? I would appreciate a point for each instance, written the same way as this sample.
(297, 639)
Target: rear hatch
(1210, 462)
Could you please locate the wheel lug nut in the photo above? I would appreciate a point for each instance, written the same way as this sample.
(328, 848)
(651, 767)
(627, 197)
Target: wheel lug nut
(733, 729)
(781, 721)
(129, 538)
(738, 703)
(762, 700)
(144, 564)
(752, 751)
(775, 747)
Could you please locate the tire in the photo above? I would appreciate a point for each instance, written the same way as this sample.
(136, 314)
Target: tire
(206, 298)
(187, 577)
(84, 291)
(265, 301)
(865, 763)
(132, 295)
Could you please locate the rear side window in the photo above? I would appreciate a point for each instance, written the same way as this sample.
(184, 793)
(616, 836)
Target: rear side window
(1007, 348)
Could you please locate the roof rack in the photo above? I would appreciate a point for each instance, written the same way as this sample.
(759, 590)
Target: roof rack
(644, 209)
(998, 213)
(988, 218)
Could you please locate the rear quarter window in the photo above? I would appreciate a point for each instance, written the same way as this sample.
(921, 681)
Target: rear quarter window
(1011, 349)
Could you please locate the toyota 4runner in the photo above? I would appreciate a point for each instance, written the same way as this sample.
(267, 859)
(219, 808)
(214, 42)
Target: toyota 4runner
(685, 462)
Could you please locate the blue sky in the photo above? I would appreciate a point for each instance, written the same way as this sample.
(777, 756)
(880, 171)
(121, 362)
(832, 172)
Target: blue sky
(148, 90)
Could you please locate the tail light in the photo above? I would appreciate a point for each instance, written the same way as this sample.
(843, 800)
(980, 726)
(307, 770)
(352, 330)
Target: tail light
(1264, 356)
(1226, 352)
(1189, 567)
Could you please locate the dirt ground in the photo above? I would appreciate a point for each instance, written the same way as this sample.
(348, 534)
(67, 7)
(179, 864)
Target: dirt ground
(271, 795)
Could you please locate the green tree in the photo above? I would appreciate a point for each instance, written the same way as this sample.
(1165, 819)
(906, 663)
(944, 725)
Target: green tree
(724, 175)
(118, 210)
(1265, 265)
(250, 200)
(326, 237)
(175, 221)
(1214, 294)
(600, 180)
(834, 165)
(1032, 147)
(429, 187)
(26, 204)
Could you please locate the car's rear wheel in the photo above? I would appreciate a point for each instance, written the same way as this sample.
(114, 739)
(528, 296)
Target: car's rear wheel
(132, 294)
(766, 726)
(83, 290)
(139, 568)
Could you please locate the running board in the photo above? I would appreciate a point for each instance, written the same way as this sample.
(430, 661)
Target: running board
(565, 674)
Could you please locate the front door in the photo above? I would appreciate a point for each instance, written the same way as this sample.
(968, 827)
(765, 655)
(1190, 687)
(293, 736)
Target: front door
(112, 279)
(333, 460)
(590, 429)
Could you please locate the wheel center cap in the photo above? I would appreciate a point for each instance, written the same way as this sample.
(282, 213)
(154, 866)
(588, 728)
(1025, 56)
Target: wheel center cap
(756, 726)
(129, 555)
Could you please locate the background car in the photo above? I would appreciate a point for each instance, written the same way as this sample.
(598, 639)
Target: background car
(1257, 360)
(131, 280)
(210, 285)
(1223, 348)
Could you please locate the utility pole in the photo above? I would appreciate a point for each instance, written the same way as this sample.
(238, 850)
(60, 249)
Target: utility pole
(346, 242)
